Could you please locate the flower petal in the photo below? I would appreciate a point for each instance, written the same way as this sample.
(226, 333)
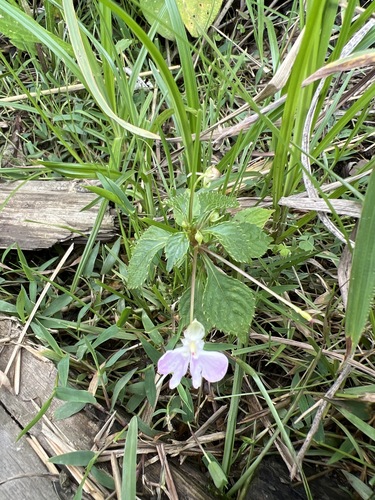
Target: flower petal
(210, 365)
(175, 362)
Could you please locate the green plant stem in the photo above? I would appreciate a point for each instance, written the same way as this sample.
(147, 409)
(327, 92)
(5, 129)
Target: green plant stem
(193, 279)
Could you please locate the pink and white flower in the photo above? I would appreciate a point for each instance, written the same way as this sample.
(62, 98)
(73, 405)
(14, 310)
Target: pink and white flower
(209, 365)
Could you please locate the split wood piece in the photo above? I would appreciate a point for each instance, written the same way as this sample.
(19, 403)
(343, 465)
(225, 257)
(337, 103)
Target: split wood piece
(38, 214)
(341, 207)
(37, 383)
(22, 474)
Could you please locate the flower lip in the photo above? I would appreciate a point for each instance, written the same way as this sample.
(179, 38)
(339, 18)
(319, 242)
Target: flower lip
(210, 365)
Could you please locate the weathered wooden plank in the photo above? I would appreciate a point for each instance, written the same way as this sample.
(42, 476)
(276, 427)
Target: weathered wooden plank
(22, 474)
(38, 378)
(38, 214)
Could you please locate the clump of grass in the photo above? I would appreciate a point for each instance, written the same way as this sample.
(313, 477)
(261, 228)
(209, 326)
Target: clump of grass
(215, 148)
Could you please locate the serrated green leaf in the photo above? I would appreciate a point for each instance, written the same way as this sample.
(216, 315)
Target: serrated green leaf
(242, 241)
(228, 303)
(211, 200)
(176, 249)
(149, 244)
(198, 15)
(180, 206)
(254, 215)
(76, 458)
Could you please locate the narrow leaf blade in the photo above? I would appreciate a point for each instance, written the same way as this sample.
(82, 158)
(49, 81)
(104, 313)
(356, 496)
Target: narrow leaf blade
(362, 276)
(129, 481)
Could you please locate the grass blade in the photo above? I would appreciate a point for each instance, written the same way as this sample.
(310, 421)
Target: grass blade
(80, 49)
(129, 479)
(362, 277)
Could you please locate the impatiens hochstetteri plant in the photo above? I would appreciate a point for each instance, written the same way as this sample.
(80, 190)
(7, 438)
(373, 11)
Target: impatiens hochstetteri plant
(204, 235)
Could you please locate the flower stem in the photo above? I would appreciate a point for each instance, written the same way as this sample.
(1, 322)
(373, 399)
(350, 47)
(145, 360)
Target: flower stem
(192, 289)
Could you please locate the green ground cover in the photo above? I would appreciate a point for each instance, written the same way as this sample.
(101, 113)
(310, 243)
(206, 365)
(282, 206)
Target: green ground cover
(209, 145)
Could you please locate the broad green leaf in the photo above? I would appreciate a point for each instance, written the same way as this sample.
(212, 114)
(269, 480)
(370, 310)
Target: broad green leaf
(42, 333)
(19, 36)
(74, 395)
(254, 215)
(154, 10)
(346, 448)
(176, 249)
(76, 458)
(149, 349)
(23, 31)
(198, 15)
(118, 192)
(5, 307)
(149, 244)
(151, 329)
(57, 304)
(228, 303)
(362, 276)
(113, 332)
(129, 473)
(112, 257)
(180, 206)
(242, 241)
